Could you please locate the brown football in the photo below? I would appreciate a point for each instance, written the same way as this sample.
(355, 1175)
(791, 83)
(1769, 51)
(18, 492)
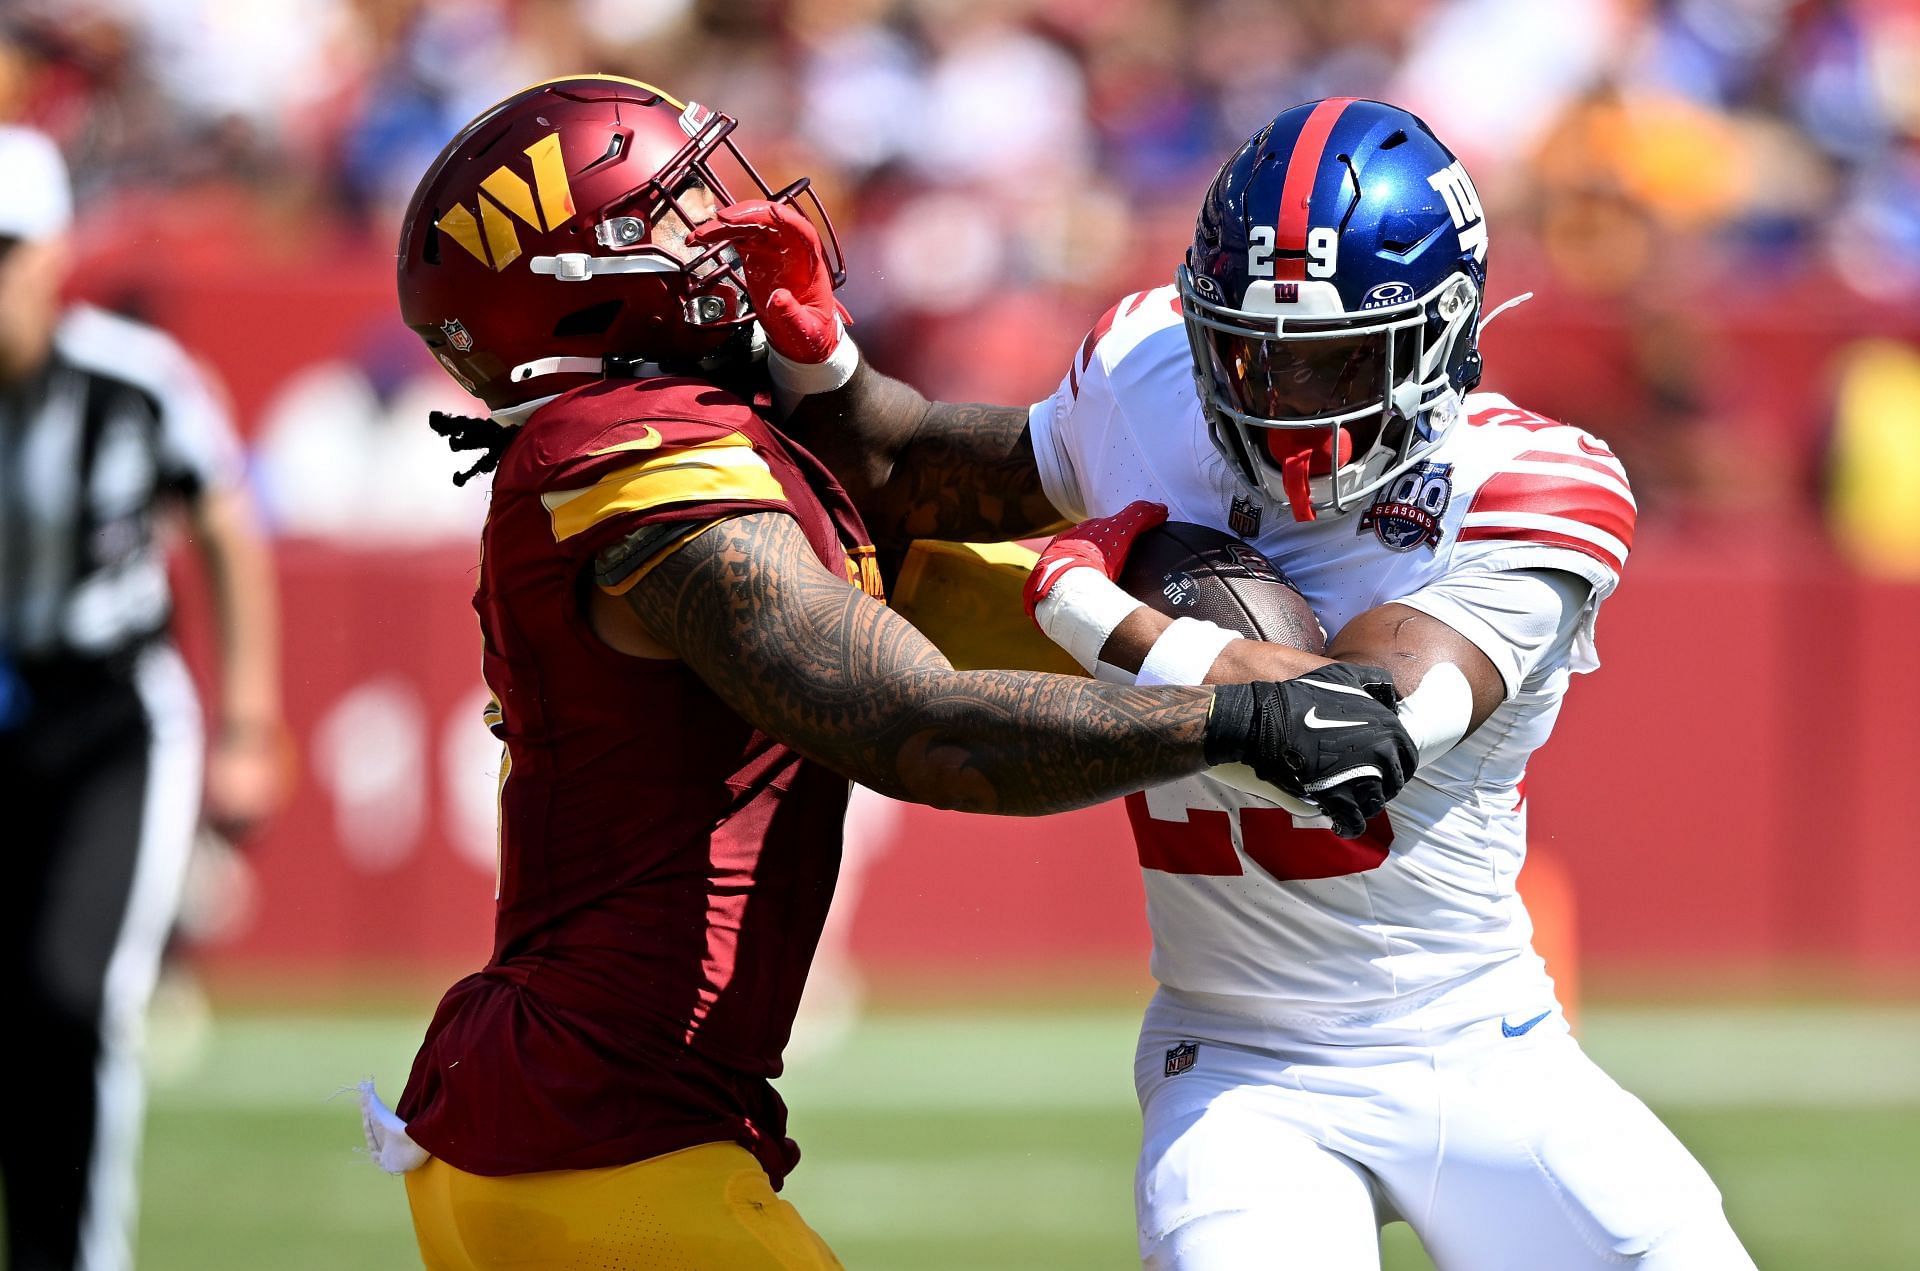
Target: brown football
(1190, 571)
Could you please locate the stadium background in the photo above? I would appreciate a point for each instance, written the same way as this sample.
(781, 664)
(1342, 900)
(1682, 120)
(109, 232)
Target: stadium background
(1717, 206)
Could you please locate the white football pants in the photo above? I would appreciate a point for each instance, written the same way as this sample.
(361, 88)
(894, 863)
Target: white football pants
(1499, 1142)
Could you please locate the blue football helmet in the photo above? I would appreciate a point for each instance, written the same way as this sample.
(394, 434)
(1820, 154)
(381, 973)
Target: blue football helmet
(1332, 298)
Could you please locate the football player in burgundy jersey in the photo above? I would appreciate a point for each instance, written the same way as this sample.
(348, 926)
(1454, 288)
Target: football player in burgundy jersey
(689, 657)
(1346, 1033)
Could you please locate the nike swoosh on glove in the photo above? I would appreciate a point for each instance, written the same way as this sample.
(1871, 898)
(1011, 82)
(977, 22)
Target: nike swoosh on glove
(1331, 737)
(1102, 544)
(787, 276)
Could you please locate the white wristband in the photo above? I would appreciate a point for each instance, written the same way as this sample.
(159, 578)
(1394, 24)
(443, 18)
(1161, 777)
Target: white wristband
(1437, 713)
(1184, 653)
(803, 379)
(1081, 610)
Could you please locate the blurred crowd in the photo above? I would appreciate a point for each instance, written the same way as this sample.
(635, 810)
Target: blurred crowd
(1714, 201)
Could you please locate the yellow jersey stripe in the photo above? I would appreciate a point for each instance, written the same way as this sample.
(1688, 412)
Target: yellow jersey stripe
(726, 469)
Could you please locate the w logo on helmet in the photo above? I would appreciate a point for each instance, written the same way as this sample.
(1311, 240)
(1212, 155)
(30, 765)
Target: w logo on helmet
(490, 237)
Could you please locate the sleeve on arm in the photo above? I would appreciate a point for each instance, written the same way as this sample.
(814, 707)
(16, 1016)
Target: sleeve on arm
(199, 448)
(624, 562)
(1517, 617)
(640, 500)
(1566, 504)
(1050, 422)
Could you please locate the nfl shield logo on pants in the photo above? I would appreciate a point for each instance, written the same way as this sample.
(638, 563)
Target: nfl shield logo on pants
(1181, 1057)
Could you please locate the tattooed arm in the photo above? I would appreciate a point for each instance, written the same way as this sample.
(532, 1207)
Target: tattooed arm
(921, 469)
(836, 675)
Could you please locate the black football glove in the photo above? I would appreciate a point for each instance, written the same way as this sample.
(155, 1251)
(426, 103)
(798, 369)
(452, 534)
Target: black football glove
(1330, 737)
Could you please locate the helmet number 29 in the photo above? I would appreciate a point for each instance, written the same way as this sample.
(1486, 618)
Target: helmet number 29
(1323, 251)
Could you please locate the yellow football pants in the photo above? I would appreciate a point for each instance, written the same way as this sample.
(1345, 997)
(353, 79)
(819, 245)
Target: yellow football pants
(707, 1208)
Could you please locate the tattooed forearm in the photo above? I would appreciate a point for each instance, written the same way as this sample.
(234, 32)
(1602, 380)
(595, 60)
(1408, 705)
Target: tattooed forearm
(968, 475)
(920, 469)
(836, 675)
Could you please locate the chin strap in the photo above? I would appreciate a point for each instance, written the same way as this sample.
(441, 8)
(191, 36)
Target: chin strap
(753, 347)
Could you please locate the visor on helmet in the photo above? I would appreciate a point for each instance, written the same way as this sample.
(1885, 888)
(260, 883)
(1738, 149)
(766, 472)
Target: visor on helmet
(1311, 376)
(1318, 407)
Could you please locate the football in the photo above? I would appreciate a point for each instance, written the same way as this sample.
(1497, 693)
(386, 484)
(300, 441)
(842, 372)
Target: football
(1186, 570)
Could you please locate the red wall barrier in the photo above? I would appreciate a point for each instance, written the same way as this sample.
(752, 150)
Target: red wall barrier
(1732, 785)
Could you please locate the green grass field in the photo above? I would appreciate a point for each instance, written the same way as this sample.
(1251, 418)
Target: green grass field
(968, 1139)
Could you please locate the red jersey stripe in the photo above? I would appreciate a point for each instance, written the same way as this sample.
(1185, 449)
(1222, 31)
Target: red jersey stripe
(1296, 193)
(1613, 469)
(1547, 538)
(1103, 326)
(1597, 507)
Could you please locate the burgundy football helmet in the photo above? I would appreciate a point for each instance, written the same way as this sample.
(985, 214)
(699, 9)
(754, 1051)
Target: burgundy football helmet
(542, 249)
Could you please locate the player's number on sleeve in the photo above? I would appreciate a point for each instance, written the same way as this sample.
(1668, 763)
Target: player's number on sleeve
(1323, 250)
(1260, 251)
(1202, 842)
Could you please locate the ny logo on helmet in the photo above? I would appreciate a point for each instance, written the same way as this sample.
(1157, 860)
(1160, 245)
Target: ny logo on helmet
(490, 237)
(1463, 204)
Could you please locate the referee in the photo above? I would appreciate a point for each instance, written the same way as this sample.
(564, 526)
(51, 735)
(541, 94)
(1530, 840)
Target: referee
(107, 435)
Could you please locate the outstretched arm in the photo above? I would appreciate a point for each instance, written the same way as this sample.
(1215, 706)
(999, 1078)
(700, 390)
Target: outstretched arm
(963, 472)
(824, 668)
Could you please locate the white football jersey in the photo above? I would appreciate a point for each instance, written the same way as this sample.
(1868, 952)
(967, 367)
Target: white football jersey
(1245, 899)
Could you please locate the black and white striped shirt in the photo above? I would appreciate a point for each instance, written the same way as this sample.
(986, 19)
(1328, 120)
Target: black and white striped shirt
(117, 422)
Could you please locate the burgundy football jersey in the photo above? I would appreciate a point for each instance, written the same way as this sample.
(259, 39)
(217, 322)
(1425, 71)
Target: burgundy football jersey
(665, 868)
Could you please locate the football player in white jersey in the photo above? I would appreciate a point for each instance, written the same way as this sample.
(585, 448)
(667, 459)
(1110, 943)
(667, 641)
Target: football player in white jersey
(1351, 1026)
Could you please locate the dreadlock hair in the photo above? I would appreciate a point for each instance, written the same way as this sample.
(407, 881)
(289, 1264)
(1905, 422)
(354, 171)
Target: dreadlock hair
(463, 432)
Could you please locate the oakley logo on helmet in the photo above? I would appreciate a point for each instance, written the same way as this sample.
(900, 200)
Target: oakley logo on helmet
(1463, 204)
(490, 237)
(1386, 295)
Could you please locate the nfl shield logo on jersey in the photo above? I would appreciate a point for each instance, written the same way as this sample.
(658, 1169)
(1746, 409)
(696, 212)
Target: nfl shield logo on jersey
(1181, 1057)
(1407, 513)
(1243, 518)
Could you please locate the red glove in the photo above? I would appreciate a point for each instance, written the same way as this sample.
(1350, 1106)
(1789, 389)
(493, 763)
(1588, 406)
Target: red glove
(1100, 544)
(786, 272)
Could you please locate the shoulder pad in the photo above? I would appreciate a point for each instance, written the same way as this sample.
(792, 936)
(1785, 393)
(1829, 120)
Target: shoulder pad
(592, 428)
(656, 449)
(1121, 328)
(1572, 497)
